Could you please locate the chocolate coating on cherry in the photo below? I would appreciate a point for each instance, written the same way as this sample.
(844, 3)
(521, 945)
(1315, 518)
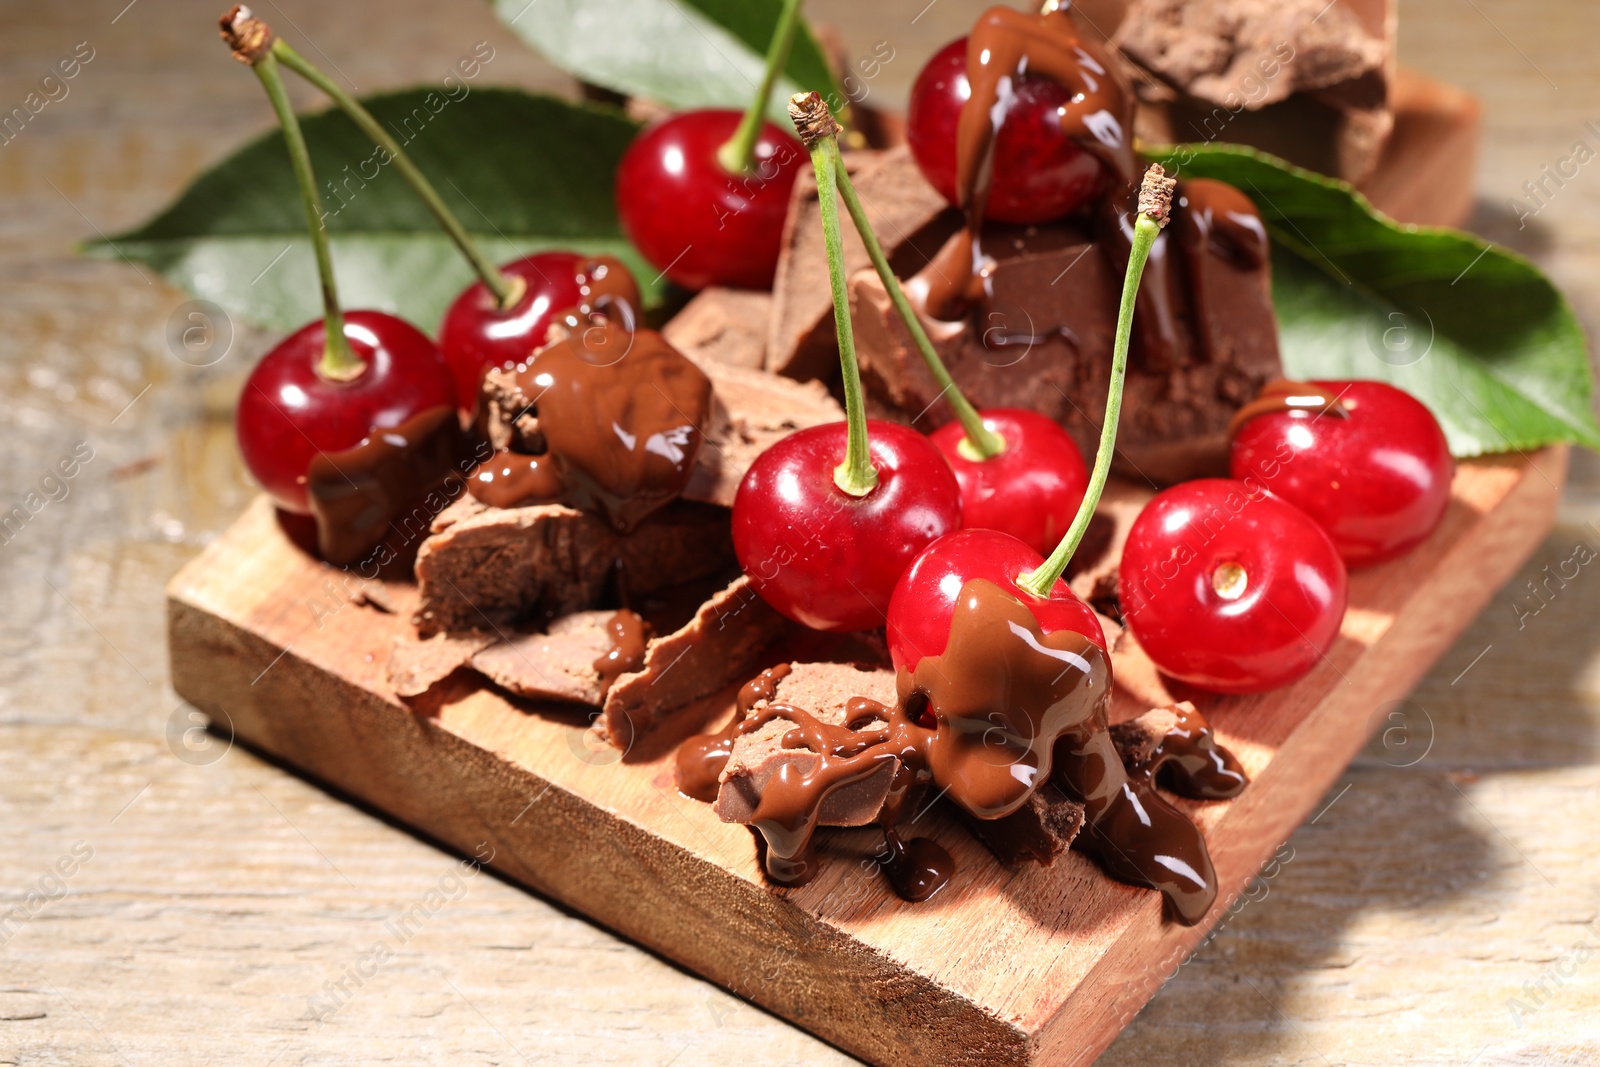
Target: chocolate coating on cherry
(288, 413)
(695, 221)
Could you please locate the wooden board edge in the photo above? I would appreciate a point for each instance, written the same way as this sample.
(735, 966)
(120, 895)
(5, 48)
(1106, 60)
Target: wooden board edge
(756, 943)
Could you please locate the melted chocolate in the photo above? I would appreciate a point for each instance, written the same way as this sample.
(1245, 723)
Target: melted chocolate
(1006, 45)
(629, 634)
(1190, 762)
(1283, 395)
(701, 759)
(987, 721)
(510, 479)
(357, 494)
(611, 421)
(607, 288)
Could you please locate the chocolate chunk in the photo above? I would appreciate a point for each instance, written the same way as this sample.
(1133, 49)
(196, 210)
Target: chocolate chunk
(1039, 832)
(750, 411)
(486, 567)
(1175, 747)
(1043, 339)
(720, 644)
(825, 690)
(417, 666)
(558, 664)
(899, 203)
(726, 326)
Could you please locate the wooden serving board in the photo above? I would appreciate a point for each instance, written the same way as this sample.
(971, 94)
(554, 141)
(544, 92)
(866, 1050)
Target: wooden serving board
(1037, 966)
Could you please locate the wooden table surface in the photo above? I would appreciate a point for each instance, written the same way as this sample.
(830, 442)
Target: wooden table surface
(166, 899)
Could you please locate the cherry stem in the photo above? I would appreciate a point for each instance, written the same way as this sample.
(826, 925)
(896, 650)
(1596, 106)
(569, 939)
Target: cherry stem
(507, 291)
(982, 442)
(338, 362)
(818, 132)
(737, 154)
(1155, 205)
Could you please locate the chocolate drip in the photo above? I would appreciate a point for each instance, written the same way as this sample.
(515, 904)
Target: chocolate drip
(988, 721)
(607, 288)
(1283, 395)
(1006, 45)
(701, 759)
(356, 494)
(510, 479)
(1188, 760)
(629, 633)
(613, 420)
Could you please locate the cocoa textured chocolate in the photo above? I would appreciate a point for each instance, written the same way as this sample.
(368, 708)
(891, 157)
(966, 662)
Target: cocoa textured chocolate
(720, 644)
(484, 567)
(825, 690)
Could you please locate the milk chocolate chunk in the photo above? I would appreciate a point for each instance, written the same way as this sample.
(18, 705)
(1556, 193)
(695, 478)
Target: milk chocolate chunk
(558, 664)
(1175, 748)
(723, 326)
(485, 567)
(1039, 832)
(415, 666)
(828, 691)
(613, 418)
(900, 204)
(750, 411)
(720, 644)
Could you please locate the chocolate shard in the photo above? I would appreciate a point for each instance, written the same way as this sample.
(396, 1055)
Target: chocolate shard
(825, 691)
(1307, 80)
(1039, 832)
(720, 644)
(1137, 739)
(417, 666)
(1043, 338)
(485, 568)
(723, 326)
(750, 411)
(901, 206)
(558, 664)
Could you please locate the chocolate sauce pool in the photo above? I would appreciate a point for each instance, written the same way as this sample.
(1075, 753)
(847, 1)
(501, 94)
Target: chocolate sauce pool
(1000, 712)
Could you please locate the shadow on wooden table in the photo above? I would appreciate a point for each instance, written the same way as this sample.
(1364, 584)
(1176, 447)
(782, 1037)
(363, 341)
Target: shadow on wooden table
(1415, 836)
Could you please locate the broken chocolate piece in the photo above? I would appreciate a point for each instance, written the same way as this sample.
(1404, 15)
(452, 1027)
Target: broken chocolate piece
(827, 691)
(417, 666)
(726, 326)
(750, 411)
(495, 567)
(1039, 832)
(720, 644)
(1175, 748)
(558, 664)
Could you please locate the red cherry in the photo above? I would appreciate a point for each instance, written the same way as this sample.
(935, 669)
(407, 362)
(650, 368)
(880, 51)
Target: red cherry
(924, 601)
(1377, 480)
(476, 334)
(691, 218)
(828, 559)
(1039, 172)
(1031, 490)
(288, 412)
(1229, 588)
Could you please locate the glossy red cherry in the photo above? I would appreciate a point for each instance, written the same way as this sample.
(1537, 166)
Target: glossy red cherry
(1229, 588)
(1377, 480)
(696, 222)
(1039, 172)
(288, 412)
(828, 559)
(924, 601)
(477, 334)
(1031, 490)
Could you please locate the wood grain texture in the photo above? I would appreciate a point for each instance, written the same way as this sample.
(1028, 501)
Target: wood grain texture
(1003, 967)
(1408, 924)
